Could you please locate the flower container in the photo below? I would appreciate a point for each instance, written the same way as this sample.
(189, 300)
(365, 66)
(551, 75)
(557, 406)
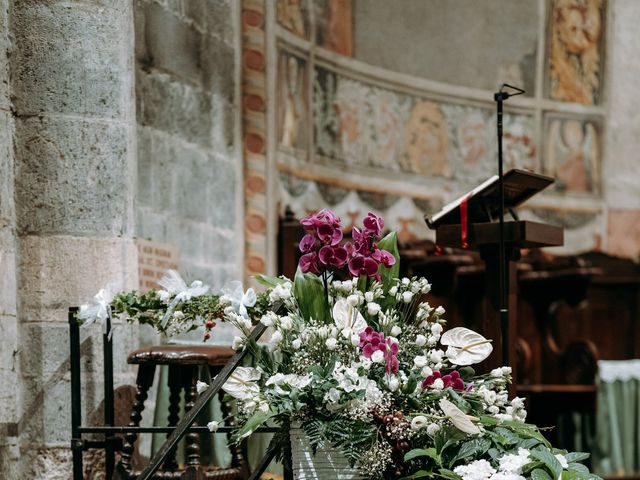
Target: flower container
(326, 464)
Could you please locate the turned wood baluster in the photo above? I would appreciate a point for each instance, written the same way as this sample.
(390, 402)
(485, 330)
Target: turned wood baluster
(175, 387)
(144, 381)
(190, 375)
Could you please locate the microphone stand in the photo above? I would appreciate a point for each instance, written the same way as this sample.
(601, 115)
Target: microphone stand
(503, 287)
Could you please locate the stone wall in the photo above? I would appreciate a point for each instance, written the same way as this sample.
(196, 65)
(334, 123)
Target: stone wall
(187, 124)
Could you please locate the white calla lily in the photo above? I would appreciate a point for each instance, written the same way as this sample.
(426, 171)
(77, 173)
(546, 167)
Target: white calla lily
(242, 383)
(239, 299)
(459, 419)
(466, 347)
(348, 319)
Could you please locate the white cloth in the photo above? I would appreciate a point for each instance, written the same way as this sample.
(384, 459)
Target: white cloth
(612, 370)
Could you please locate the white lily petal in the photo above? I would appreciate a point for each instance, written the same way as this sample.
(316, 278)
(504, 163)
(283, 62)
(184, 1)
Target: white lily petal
(466, 347)
(459, 419)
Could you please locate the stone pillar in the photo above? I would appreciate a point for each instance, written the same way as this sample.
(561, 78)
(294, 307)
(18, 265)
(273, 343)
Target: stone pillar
(75, 174)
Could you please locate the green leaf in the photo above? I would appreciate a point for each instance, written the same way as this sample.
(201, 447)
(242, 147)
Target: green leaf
(472, 448)
(419, 474)
(526, 430)
(550, 461)
(460, 402)
(539, 474)
(390, 244)
(411, 386)
(466, 373)
(268, 280)
(449, 475)
(254, 422)
(578, 467)
(422, 452)
(576, 456)
(309, 292)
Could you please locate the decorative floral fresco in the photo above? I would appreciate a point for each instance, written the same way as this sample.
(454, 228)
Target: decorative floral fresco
(364, 126)
(574, 63)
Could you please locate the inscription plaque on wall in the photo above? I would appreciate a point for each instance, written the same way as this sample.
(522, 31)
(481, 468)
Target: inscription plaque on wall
(154, 259)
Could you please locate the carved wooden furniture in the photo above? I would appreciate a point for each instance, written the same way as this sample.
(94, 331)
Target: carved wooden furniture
(183, 362)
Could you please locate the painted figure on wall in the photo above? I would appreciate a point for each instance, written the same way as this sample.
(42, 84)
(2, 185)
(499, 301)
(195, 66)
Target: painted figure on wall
(574, 62)
(472, 138)
(290, 16)
(335, 25)
(292, 101)
(426, 141)
(573, 155)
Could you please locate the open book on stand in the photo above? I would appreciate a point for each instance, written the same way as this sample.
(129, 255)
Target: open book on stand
(483, 202)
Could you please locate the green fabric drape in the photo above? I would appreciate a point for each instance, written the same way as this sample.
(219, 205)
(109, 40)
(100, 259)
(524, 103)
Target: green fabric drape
(618, 418)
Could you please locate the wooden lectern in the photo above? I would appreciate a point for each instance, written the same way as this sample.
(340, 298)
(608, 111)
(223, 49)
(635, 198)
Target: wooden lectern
(471, 221)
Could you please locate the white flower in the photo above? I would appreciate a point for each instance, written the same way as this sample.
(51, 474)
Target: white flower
(436, 356)
(432, 429)
(348, 319)
(297, 343)
(355, 340)
(405, 281)
(286, 323)
(263, 407)
(163, 295)
(373, 308)
(440, 310)
(506, 476)
(178, 314)
(426, 371)
(267, 320)
(276, 337)
(469, 347)
(242, 383)
(396, 330)
(459, 419)
(407, 297)
(420, 361)
(213, 426)
(513, 463)
(368, 296)
(437, 384)
(331, 343)
(562, 460)
(353, 300)
(377, 356)
(333, 395)
(393, 383)
(421, 340)
(393, 290)
(238, 343)
(201, 386)
(436, 329)
(476, 470)
(418, 422)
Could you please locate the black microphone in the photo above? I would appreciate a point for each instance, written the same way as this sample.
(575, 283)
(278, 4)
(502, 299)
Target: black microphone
(501, 95)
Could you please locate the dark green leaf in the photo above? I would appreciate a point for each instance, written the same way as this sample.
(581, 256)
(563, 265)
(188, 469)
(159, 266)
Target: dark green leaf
(449, 475)
(539, 474)
(422, 452)
(472, 448)
(576, 456)
(419, 474)
(578, 467)
(390, 244)
(550, 461)
(254, 422)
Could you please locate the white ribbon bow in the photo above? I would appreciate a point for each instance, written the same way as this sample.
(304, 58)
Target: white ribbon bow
(174, 284)
(239, 299)
(98, 310)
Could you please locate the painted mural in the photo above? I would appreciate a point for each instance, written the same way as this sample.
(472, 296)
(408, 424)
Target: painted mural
(293, 112)
(574, 63)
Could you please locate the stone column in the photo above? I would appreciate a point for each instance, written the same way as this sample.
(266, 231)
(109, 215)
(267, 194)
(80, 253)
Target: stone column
(75, 175)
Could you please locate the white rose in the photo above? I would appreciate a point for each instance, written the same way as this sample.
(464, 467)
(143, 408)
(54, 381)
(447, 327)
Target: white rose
(368, 296)
(440, 310)
(393, 383)
(331, 343)
(437, 384)
(353, 300)
(406, 297)
(297, 343)
(238, 343)
(286, 323)
(418, 422)
(436, 329)
(263, 407)
(355, 339)
(393, 291)
(213, 426)
(178, 314)
(276, 337)
(396, 330)
(163, 295)
(266, 320)
(421, 340)
(373, 308)
(405, 281)
(432, 429)
(420, 361)
(426, 371)
(377, 357)
(436, 356)
(333, 395)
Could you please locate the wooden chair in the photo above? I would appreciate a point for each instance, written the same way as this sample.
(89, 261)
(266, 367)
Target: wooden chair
(183, 362)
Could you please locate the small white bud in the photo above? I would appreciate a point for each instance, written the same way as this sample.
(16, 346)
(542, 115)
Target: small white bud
(396, 330)
(421, 340)
(201, 386)
(373, 308)
(213, 426)
(331, 343)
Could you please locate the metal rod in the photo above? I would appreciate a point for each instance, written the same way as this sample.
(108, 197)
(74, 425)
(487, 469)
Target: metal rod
(502, 280)
(76, 404)
(190, 416)
(109, 415)
(126, 429)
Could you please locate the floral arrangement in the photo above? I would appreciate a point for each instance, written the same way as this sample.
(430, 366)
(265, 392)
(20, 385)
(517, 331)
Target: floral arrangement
(361, 363)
